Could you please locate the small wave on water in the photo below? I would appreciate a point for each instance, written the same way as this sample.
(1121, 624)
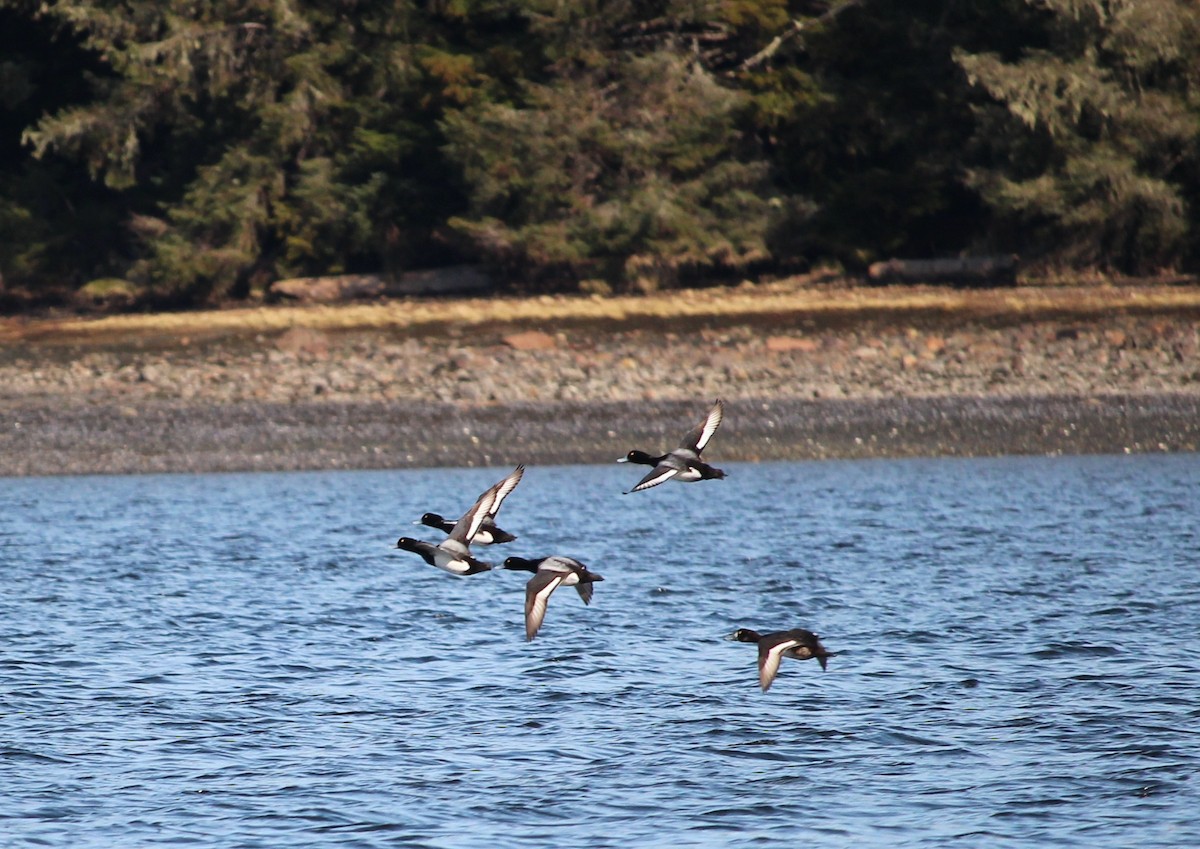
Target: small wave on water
(245, 660)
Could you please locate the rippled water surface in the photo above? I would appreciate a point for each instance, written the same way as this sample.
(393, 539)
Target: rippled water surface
(244, 660)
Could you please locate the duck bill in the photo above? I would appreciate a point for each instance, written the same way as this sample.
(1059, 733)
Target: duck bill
(622, 459)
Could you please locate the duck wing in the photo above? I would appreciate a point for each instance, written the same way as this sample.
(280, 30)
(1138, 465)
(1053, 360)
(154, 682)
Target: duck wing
(797, 643)
(503, 489)
(485, 507)
(572, 572)
(699, 436)
(537, 595)
(561, 564)
(768, 663)
(657, 475)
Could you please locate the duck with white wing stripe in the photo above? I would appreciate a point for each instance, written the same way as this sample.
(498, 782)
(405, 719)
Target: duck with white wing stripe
(549, 574)
(682, 464)
(453, 554)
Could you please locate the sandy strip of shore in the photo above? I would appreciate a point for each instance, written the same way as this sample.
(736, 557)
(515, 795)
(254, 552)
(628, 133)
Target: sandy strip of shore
(175, 437)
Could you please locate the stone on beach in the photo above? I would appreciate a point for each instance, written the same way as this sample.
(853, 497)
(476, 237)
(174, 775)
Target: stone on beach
(782, 344)
(530, 340)
(303, 340)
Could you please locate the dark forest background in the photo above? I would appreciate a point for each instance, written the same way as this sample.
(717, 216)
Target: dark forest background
(202, 150)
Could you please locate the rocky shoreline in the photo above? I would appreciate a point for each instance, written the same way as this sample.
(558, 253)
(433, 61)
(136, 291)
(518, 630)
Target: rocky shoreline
(306, 399)
(172, 437)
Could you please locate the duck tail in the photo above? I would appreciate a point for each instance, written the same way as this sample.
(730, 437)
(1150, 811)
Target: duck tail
(823, 658)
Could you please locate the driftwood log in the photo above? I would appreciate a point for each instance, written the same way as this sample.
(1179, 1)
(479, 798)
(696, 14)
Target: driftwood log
(453, 280)
(958, 271)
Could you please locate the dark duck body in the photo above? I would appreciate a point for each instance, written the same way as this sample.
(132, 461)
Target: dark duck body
(453, 554)
(550, 573)
(683, 464)
(772, 648)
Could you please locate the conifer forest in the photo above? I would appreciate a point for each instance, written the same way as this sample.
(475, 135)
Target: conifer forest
(202, 149)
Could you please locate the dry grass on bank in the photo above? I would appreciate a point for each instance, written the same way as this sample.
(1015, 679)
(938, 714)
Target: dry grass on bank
(782, 302)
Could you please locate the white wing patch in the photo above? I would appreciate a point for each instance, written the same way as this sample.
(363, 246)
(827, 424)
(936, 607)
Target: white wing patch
(537, 595)
(477, 514)
(656, 476)
(504, 488)
(715, 416)
(768, 661)
(486, 507)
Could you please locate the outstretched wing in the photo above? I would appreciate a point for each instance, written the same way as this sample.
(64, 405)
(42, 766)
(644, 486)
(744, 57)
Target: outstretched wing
(657, 475)
(699, 436)
(537, 595)
(769, 656)
(504, 488)
(485, 507)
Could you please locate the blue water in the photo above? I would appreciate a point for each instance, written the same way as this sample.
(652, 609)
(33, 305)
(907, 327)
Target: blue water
(244, 660)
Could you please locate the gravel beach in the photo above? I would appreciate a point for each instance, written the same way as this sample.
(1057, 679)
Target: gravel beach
(307, 399)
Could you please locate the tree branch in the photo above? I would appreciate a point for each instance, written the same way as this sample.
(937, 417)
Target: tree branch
(798, 26)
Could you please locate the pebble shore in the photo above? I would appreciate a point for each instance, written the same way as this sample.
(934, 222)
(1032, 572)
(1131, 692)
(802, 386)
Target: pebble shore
(305, 399)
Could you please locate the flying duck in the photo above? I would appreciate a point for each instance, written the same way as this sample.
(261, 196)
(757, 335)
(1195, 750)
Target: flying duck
(453, 554)
(488, 533)
(549, 574)
(772, 648)
(683, 463)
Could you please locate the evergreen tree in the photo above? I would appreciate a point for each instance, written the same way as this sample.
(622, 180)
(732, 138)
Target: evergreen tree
(56, 227)
(1087, 143)
(635, 182)
(262, 138)
(626, 164)
(209, 148)
(866, 115)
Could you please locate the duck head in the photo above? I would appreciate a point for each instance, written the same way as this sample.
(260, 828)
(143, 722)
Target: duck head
(520, 563)
(744, 635)
(640, 457)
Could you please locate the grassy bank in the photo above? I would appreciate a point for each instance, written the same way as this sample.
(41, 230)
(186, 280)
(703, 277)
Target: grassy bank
(787, 302)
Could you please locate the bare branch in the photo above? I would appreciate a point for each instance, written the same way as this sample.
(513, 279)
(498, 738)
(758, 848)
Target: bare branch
(798, 26)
